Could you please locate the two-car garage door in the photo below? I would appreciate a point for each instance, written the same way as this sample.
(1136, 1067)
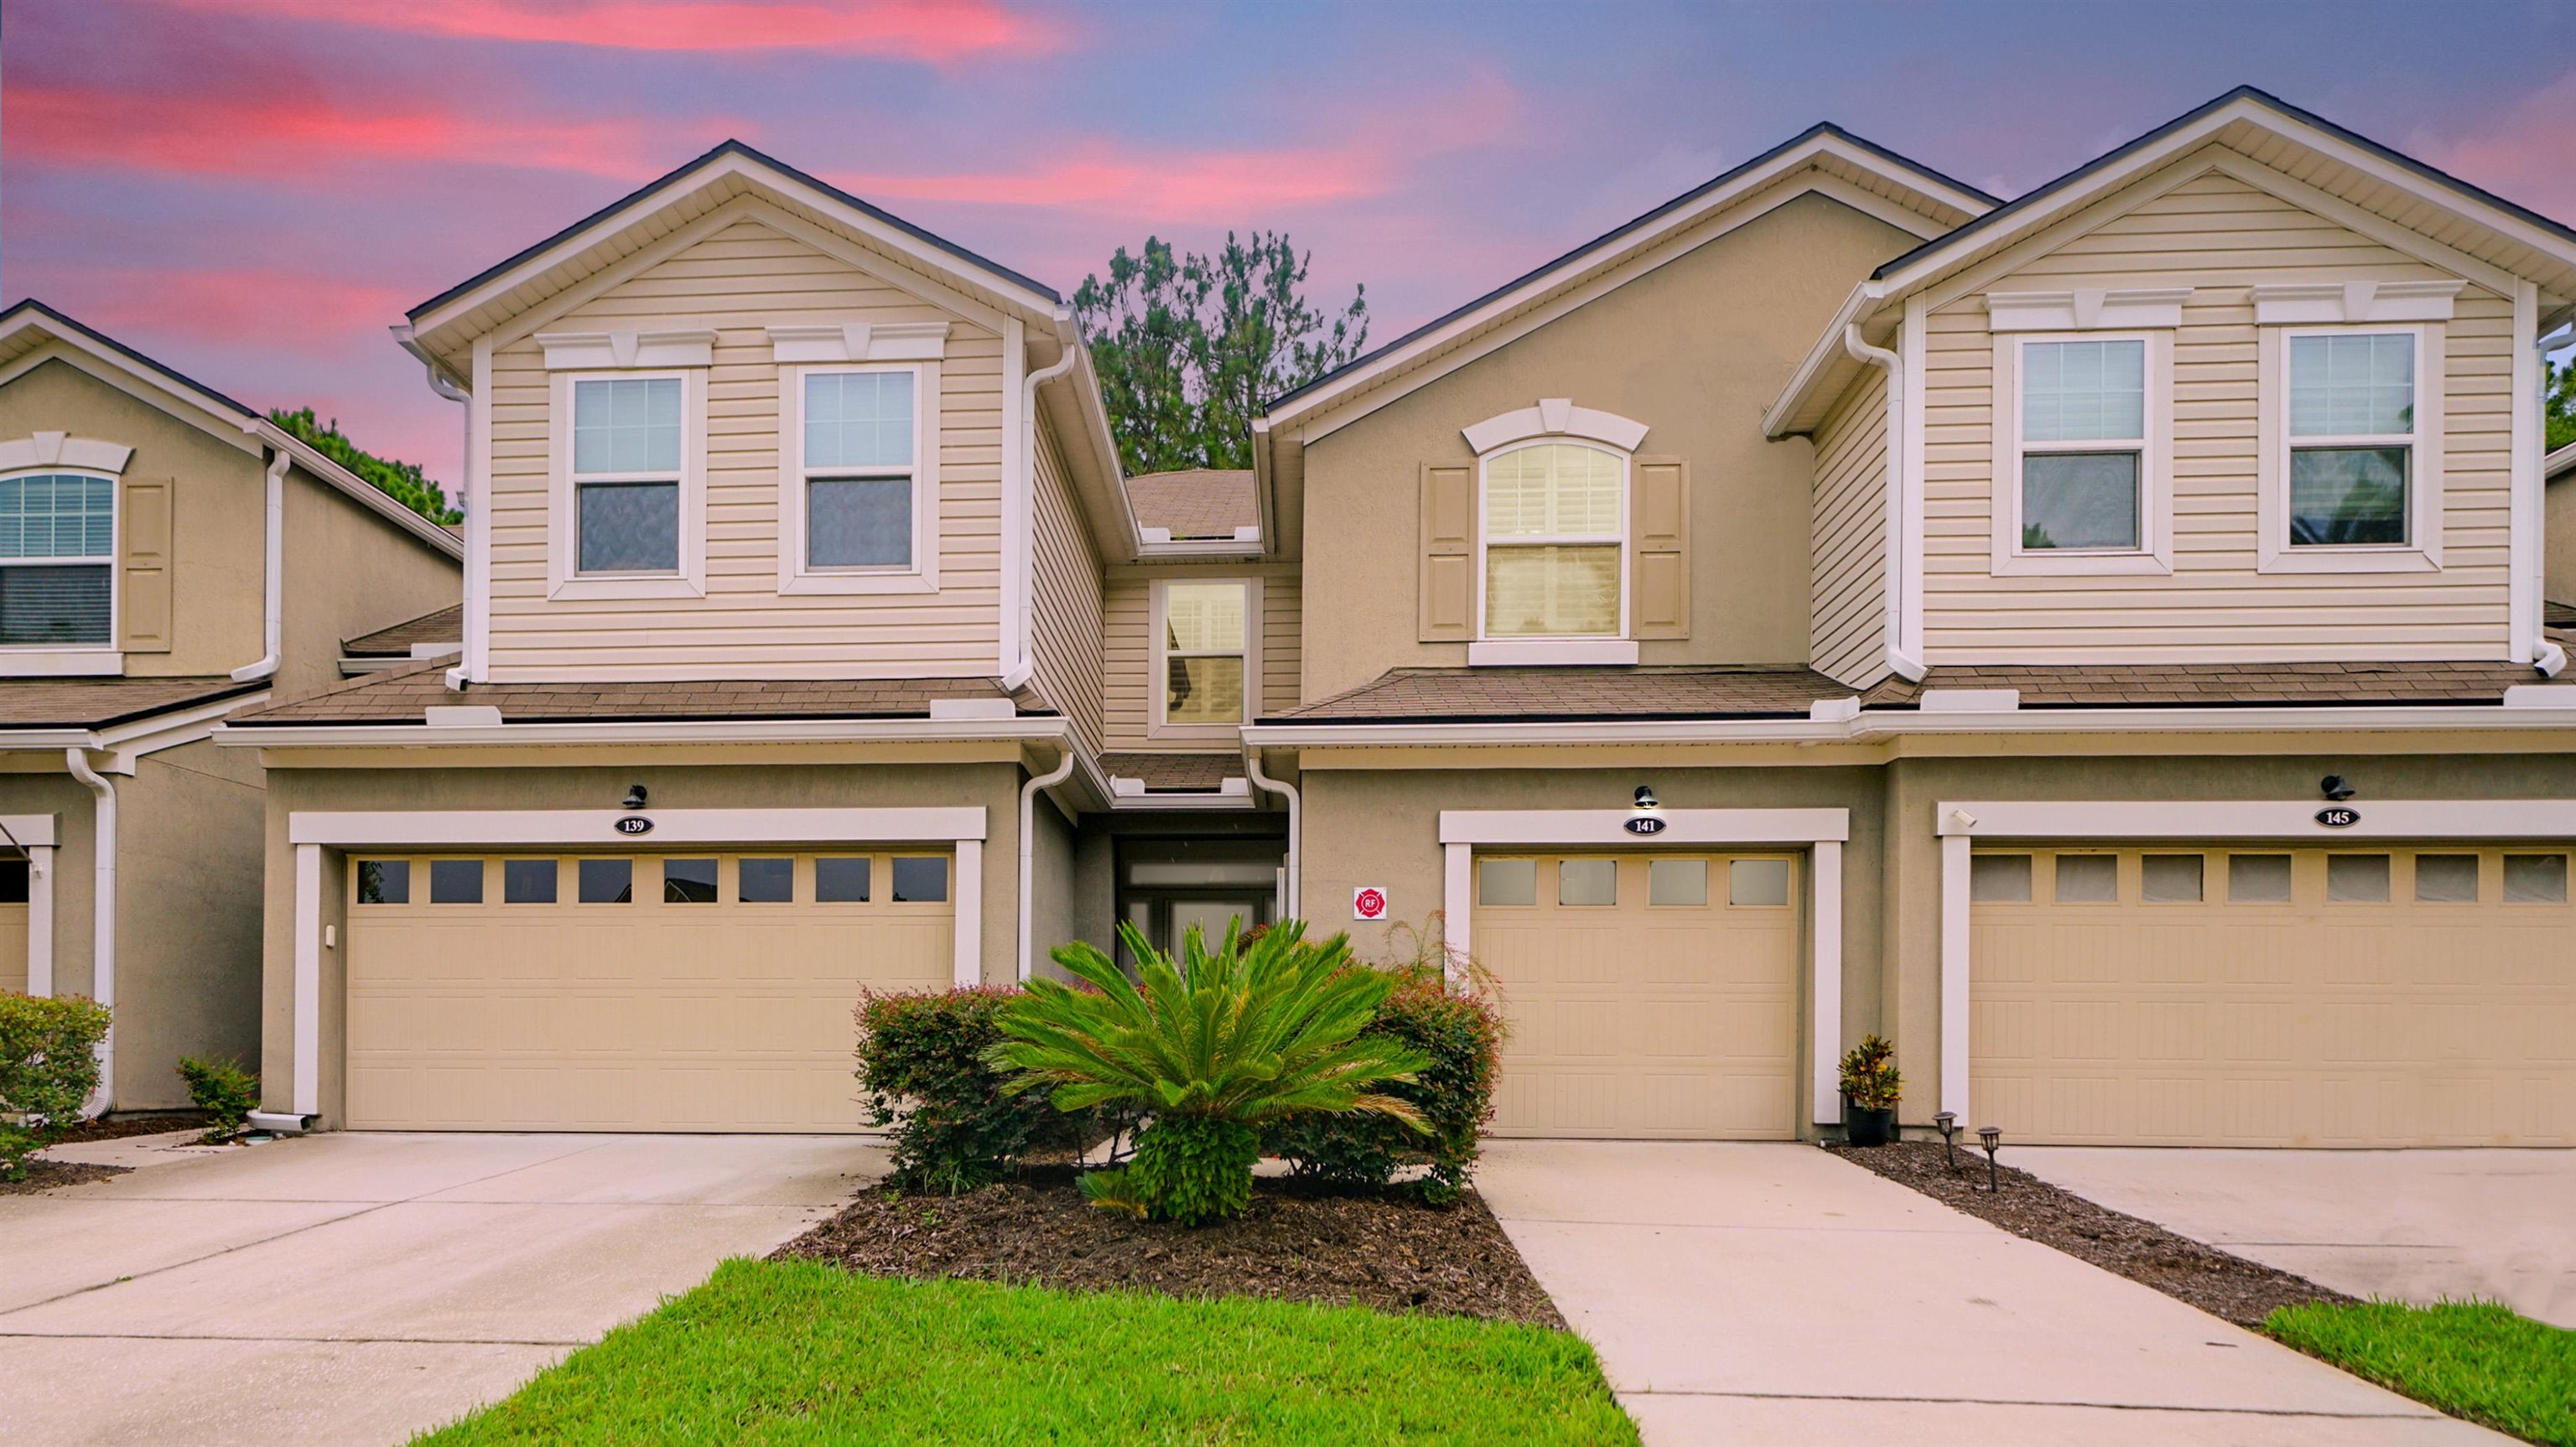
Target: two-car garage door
(2274, 997)
(705, 992)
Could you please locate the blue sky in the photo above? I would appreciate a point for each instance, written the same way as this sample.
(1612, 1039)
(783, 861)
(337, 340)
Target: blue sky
(253, 191)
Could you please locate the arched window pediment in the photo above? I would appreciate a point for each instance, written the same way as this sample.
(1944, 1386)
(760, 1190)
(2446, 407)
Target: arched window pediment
(56, 449)
(1555, 417)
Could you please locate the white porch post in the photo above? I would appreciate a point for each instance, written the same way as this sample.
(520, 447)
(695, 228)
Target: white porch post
(1457, 899)
(970, 912)
(40, 919)
(1954, 977)
(308, 979)
(1825, 976)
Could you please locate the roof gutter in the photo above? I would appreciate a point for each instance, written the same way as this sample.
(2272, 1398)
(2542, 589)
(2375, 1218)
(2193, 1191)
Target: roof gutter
(1896, 499)
(1041, 727)
(273, 568)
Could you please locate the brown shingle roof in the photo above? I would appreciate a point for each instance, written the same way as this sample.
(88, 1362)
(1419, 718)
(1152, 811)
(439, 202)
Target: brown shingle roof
(1201, 502)
(2164, 685)
(2558, 620)
(447, 625)
(1489, 695)
(400, 696)
(1174, 773)
(84, 703)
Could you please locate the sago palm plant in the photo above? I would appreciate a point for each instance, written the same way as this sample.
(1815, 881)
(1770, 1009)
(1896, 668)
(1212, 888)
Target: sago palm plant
(1209, 1044)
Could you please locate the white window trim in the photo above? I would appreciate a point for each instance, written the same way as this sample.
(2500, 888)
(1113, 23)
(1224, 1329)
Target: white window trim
(2422, 553)
(794, 576)
(2154, 555)
(84, 660)
(563, 541)
(1159, 685)
(1574, 648)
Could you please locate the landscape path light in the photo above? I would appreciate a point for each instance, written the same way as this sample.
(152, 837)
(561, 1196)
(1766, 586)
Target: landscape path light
(1948, 1121)
(1992, 1138)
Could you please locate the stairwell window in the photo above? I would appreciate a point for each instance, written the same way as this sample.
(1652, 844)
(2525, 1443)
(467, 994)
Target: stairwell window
(626, 451)
(57, 560)
(1205, 639)
(1555, 542)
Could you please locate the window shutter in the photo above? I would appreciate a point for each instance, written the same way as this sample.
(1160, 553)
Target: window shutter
(1662, 564)
(1448, 553)
(145, 586)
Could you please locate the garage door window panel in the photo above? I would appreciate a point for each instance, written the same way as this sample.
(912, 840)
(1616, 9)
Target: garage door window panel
(1757, 883)
(2258, 879)
(689, 881)
(2446, 879)
(1999, 879)
(2357, 879)
(2087, 878)
(606, 881)
(529, 881)
(1587, 883)
(2170, 879)
(456, 881)
(384, 881)
(841, 879)
(919, 879)
(765, 880)
(1676, 883)
(2535, 879)
(1506, 883)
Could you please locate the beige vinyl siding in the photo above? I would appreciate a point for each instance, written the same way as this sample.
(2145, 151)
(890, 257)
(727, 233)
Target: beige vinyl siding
(2221, 237)
(738, 282)
(1127, 652)
(1847, 591)
(1065, 606)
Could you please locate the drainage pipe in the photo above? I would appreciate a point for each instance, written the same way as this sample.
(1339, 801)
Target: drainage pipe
(1029, 849)
(1296, 828)
(1903, 664)
(273, 623)
(102, 982)
(1019, 507)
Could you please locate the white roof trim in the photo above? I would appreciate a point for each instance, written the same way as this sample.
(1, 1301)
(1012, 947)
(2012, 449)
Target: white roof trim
(2560, 462)
(1554, 417)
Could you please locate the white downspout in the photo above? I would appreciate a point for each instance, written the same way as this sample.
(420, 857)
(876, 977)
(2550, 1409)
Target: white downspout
(1022, 521)
(1903, 664)
(1029, 850)
(440, 383)
(273, 625)
(2546, 656)
(1296, 827)
(102, 984)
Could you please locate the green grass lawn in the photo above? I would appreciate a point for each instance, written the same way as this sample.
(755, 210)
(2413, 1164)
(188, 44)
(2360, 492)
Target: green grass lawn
(796, 1352)
(2471, 1359)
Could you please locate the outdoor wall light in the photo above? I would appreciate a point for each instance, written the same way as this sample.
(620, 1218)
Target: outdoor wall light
(1948, 1121)
(2336, 788)
(634, 796)
(1992, 1138)
(1646, 796)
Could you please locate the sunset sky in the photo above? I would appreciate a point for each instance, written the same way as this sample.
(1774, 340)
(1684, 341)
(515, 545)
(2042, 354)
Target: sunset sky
(253, 192)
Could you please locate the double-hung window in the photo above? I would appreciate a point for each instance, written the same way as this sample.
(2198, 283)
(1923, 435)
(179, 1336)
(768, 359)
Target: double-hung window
(2082, 461)
(626, 471)
(2353, 438)
(858, 489)
(57, 560)
(1555, 542)
(1206, 653)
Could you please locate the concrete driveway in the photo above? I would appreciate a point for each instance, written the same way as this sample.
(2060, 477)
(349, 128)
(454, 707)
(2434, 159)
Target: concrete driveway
(2415, 1225)
(353, 1289)
(1771, 1294)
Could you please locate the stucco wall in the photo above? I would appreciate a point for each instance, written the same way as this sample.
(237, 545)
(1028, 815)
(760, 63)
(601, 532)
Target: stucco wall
(348, 572)
(2560, 568)
(188, 912)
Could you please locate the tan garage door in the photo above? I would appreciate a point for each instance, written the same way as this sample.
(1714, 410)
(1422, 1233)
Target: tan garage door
(13, 922)
(2362, 997)
(1648, 995)
(636, 992)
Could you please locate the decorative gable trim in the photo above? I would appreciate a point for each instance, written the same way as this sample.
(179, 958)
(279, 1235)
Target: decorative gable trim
(861, 342)
(2086, 310)
(55, 449)
(2329, 303)
(1554, 417)
(605, 351)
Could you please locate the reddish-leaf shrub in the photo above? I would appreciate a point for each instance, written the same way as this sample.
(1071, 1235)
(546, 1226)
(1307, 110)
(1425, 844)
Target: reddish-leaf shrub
(1463, 1035)
(922, 1067)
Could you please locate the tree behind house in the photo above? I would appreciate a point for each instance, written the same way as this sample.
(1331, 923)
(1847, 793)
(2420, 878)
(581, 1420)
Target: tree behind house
(1189, 347)
(402, 481)
(2562, 404)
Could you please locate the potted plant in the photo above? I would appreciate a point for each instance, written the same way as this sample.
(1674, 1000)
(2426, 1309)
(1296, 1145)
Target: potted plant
(1871, 1087)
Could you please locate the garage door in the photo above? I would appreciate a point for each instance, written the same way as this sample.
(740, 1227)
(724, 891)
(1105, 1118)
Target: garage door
(630, 992)
(1648, 995)
(2274, 997)
(13, 923)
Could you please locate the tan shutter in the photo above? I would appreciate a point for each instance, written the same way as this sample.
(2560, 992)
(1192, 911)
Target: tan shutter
(145, 588)
(1663, 548)
(1448, 553)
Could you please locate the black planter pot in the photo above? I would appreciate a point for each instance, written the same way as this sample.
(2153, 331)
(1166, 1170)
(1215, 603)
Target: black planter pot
(1868, 1127)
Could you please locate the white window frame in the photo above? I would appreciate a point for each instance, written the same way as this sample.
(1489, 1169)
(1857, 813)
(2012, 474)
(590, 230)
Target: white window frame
(2422, 551)
(794, 574)
(563, 549)
(36, 660)
(1158, 686)
(2154, 553)
(1618, 647)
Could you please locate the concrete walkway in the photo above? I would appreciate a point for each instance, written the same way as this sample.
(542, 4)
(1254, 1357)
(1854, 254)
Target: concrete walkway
(1770, 1294)
(2417, 1225)
(354, 1289)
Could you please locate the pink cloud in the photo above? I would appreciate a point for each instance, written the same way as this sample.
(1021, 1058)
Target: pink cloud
(279, 309)
(2524, 157)
(934, 31)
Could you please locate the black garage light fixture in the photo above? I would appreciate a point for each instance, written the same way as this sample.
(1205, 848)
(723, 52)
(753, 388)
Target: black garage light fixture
(634, 796)
(1992, 1138)
(1948, 1121)
(2336, 788)
(1646, 796)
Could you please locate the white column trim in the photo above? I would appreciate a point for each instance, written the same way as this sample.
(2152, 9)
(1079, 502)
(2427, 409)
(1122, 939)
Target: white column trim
(40, 920)
(1954, 975)
(308, 980)
(1826, 977)
(969, 897)
(1457, 908)
(2526, 505)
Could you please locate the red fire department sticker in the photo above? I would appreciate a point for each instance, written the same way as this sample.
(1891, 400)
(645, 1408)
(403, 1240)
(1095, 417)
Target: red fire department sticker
(1367, 903)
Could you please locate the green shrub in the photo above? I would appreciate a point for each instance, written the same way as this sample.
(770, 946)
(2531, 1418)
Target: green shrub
(48, 1070)
(224, 1091)
(1213, 1046)
(1871, 1080)
(922, 1065)
(1461, 1036)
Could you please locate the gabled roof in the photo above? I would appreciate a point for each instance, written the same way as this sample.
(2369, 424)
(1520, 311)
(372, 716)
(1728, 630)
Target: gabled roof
(1929, 203)
(2382, 185)
(445, 323)
(31, 326)
(438, 627)
(1194, 503)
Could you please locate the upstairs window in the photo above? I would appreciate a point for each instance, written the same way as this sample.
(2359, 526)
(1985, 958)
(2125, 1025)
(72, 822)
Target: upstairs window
(858, 469)
(2083, 445)
(2353, 438)
(1207, 654)
(626, 474)
(1555, 532)
(57, 559)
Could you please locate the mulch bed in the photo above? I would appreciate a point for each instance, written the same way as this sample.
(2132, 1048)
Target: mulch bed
(1390, 1252)
(44, 1175)
(2230, 1287)
(133, 1123)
